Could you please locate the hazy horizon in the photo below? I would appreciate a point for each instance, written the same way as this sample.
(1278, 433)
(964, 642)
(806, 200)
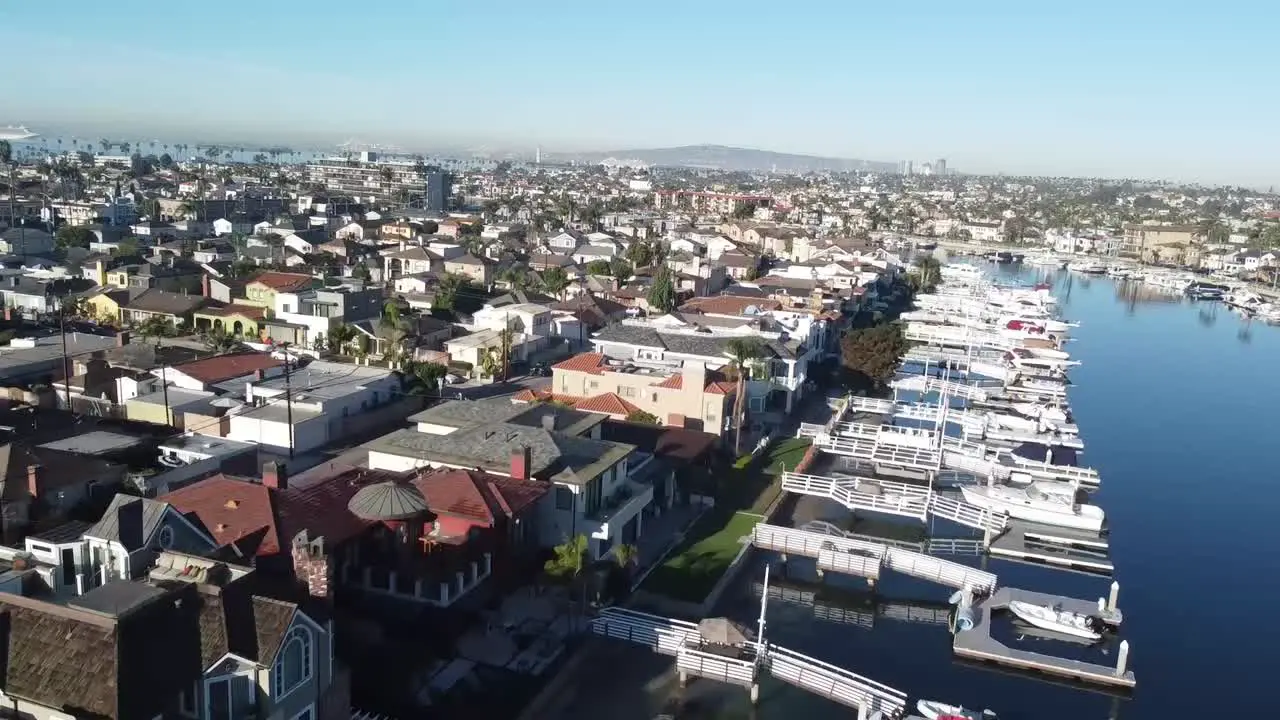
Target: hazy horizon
(1089, 90)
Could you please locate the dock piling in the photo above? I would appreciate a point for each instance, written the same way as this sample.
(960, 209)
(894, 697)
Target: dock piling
(1115, 595)
(1122, 662)
(755, 694)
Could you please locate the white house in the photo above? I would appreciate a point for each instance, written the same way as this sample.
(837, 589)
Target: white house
(323, 400)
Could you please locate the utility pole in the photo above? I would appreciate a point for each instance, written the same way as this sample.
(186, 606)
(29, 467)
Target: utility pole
(66, 361)
(505, 338)
(164, 387)
(288, 397)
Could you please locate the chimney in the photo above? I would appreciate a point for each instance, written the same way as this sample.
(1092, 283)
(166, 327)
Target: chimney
(260, 373)
(34, 480)
(275, 476)
(122, 338)
(549, 421)
(204, 285)
(694, 381)
(13, 281)
(521, 459)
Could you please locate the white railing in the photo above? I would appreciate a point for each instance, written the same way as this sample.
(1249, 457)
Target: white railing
(863, 494)
(920, 383)
(798, 542)
(665, 636)
(835, 683)
(943, 572)
(850, 563)
(908, 437)
(954, 546)
(865, 431)
(906, 612)
(870, 405)
(1085, 476)
(734, 671)
(921, 458)
(967, 515)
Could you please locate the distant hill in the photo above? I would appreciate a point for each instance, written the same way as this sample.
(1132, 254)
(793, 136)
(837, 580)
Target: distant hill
(722, 157)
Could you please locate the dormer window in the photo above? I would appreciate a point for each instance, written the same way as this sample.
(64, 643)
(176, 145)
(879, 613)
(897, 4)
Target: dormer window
(166, 537)
(293, 666)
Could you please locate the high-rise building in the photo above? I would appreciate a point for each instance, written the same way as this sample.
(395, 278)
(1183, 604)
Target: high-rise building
(940, 166)
(439, 190)
(369, 178)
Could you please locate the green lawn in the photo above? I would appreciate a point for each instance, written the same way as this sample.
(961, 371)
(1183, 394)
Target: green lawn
(693, 568)
(785, 455)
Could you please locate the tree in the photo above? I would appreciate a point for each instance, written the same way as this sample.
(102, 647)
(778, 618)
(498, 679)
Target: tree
(446, 296)
(555, 281)
(598, 267)
(744, 211)
(662, 294)
(154, 326)
(625, 555)
(870, 355)
(929, 272)
(640, 253)
(391, 313)
(515, 277)
(490, 362)
(361, 272)
(570, 559)
(127, 247)
(339, 335)
(742, 352)
(218, 339)
(620, 269)
(69, 236)
(642, 417)
(166, 161)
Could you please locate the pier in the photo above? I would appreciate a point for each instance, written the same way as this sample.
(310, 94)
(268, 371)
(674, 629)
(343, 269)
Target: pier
(742, 662)
(975, 643)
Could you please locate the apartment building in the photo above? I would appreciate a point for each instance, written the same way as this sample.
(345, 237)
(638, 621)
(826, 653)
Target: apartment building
(689, 396)
(1164, 243)
(304, 316)
(371, 178)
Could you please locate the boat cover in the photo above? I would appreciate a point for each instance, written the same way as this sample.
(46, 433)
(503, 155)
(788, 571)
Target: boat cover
(1037, 452)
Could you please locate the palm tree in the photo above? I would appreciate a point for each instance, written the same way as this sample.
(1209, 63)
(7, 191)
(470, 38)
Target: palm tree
(387, 175)
(391, 313)
(741, 352)
(124, 147)
(625, 555)
(105, 143)
(515, 277)
(423, 378)
(339, 335)
(929, 271)
(6, 162)
(490, 363)
(555, 281)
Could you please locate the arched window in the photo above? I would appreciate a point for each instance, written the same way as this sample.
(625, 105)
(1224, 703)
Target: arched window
(166, 537)
(293, 665)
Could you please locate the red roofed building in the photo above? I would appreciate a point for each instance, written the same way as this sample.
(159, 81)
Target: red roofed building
(693, 397)
(429, 537)
(203, 374)
(261, 290)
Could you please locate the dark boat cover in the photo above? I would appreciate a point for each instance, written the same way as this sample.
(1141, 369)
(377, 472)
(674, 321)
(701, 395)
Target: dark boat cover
(1038, 452)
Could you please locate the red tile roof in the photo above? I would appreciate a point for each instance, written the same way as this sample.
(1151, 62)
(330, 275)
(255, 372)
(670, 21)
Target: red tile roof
(608, 403)
(593, 363)
(477, 495)
(249, 311)
(717, 383)
(225, 367)
(728, 304)
(283, 282)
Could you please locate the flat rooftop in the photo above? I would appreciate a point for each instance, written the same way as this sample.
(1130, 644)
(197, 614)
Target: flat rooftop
(96, 442)
(320, 380)
(207, 445)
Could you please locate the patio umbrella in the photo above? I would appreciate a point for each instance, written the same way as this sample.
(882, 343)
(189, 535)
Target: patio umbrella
(723, 631)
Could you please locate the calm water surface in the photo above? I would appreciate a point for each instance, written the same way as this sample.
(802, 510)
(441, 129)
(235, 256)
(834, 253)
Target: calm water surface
(1179, 407)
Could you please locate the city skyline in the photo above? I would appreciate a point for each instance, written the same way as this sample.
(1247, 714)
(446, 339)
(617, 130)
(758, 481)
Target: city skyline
(1085, 91)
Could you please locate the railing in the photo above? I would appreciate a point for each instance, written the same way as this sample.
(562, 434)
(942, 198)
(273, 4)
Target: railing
(838, 684)
(1085, 476)
(966, 514)
(870, 405)
(906, 612)
(849, 563)
(734, 671)
(798, 542)
(665, 636)
(943, 572)
(866, 431)
(920, 383)
(863, 494)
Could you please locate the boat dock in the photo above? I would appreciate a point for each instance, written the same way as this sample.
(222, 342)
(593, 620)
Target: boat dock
(1061, 547)
(977, 644)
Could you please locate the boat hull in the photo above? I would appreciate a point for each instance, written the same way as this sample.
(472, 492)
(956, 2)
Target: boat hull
(1029, 614)
(1087, 517)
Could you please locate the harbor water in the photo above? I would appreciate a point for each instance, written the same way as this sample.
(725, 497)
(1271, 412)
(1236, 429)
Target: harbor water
(1179, 408)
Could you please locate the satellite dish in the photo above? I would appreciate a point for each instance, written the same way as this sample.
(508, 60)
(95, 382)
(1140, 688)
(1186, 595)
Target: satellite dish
(751, 310)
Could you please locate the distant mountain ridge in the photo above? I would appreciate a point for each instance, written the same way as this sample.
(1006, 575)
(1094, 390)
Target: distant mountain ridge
(722, 157)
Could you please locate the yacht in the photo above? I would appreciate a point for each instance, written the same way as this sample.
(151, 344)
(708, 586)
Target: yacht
(1032, 360)
(1088, 268)
(1045, 259)
(1244, 301)
(1041, 502)
(1200, 290)
(1041, 454)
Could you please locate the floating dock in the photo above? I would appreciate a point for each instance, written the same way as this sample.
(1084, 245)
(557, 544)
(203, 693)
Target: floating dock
(977, 643)
(1069, 549)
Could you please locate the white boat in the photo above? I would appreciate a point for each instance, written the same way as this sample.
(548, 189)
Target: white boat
(1244, 300)
(1039, 363)
(1046, 503)
(1058, 620)
(934, 710)
(1045, 260)
(1088, 268)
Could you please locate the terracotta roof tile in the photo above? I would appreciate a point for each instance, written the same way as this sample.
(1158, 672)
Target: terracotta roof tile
(477, 495)
(583, 362)
(728, 304)
(607, 403)
(249, 311)
(221, 368)
(233, 511)
(284, 282)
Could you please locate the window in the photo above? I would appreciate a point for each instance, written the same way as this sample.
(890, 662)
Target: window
(293, 667)
(626, 392)
(564, 498)
(166, 537)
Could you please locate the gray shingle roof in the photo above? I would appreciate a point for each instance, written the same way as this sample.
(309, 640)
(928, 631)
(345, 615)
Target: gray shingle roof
(702, 345)
(149, 514)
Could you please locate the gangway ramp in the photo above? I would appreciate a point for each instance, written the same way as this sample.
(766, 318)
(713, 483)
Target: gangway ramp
(828, 548)
(956, 337)
(966, 514)
(925, 384)
(836, 684)
(857, 493)
(888, 444)
(664, 636)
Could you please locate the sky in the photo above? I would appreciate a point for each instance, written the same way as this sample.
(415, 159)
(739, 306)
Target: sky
(1125, 88)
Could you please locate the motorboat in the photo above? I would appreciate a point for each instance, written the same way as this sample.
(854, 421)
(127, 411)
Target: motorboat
(934, 710)
(1057, 415)
(1029, 360)
(1088, 268)
(1039, 454)
(1207, 291)
(1055, 619)
(1045, 259)
(1047, 503)
(1244, 301)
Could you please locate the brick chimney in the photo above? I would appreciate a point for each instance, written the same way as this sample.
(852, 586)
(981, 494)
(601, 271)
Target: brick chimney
(260, 374)
(122, 338)
(275, 476)
(204, 285)
(35, 480)
(549, 421)
(521, 460)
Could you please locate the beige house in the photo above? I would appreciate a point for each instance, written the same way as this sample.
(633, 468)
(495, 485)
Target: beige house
(1165, 243)
(691, 397)
(478, 269)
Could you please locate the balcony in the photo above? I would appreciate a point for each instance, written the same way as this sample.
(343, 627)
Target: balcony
(617, 510)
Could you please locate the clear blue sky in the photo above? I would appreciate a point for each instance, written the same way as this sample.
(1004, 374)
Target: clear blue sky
(1126, 87)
